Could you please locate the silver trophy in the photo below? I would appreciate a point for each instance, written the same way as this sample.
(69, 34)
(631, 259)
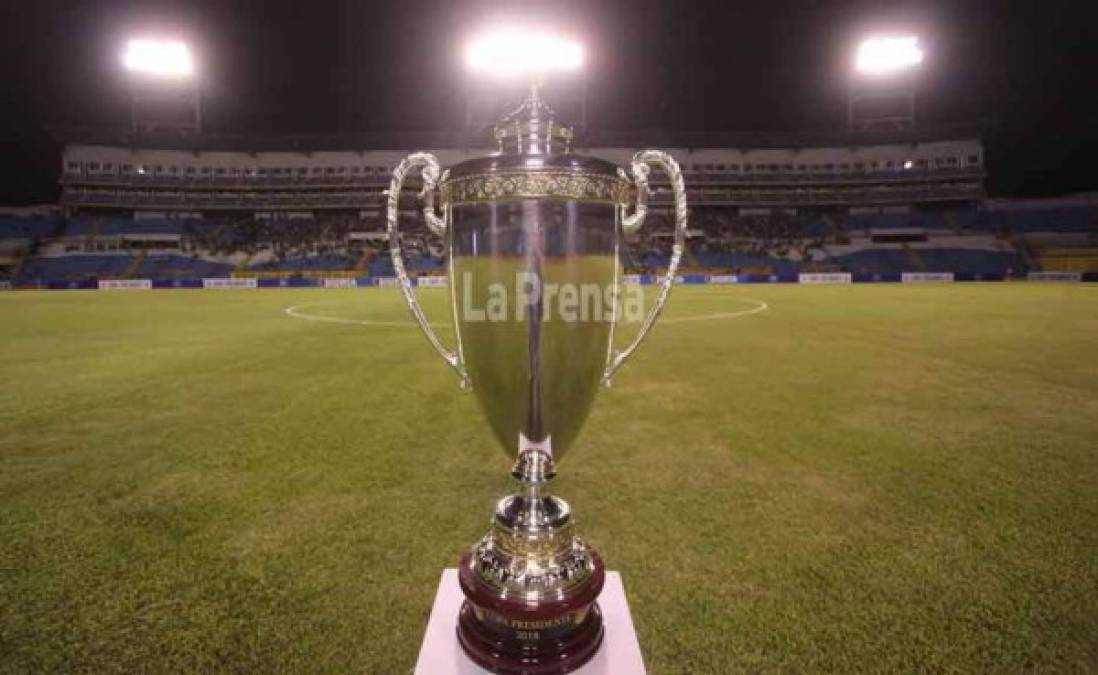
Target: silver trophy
(532, 235)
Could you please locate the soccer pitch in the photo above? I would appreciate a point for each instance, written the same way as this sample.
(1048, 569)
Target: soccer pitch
(857, 478)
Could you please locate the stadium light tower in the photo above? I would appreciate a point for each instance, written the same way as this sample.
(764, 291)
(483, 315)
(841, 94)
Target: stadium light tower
(503, 60)
(882, 95)
(164, 91)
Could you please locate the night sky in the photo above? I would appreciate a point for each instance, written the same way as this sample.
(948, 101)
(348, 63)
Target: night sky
(1025, 73)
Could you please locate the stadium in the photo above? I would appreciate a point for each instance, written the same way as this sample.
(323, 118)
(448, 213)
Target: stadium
(874, 211)
(860, 437)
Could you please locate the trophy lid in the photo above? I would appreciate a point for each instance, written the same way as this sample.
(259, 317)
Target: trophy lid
(534, 159)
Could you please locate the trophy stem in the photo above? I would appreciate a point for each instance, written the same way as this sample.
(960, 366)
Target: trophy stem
(533, 468)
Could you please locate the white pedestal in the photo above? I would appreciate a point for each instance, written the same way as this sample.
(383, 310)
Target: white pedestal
(441, 654)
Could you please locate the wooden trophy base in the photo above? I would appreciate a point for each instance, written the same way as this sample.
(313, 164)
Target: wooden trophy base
(515, 638)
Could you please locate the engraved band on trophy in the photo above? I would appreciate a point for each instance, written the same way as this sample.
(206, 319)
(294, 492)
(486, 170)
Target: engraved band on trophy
(523, 228)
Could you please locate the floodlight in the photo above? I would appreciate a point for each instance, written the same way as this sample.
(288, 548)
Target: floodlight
(519, 52)
(884, 55)
(159, 58)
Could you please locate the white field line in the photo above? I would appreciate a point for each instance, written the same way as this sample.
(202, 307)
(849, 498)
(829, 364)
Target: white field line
(760, 306)
(296, 312)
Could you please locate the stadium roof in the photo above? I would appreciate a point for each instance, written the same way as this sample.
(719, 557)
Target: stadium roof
(410, 140)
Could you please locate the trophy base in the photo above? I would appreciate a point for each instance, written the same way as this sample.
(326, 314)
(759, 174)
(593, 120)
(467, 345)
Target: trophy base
(515, 657)
(549, 637)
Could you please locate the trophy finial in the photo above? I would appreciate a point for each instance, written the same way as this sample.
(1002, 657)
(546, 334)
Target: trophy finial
(530, 129)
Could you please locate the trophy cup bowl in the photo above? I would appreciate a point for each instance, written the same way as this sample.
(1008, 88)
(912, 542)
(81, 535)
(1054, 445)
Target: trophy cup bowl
(532, 235)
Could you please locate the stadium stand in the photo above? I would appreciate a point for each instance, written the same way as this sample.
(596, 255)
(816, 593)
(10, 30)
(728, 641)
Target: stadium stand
(959, 241)
(75, 267)
(1070, 219)
(918, 206)
(28, 228)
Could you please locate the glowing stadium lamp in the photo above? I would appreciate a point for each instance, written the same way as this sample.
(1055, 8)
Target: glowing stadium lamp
(159, 58)
(887, 55)
(509, 53)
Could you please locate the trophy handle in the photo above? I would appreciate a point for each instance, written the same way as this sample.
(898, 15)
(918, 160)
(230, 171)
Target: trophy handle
(631, 223)
(437, 225)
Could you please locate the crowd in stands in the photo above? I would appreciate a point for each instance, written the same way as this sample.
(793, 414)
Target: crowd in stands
(47, 248)
(286, 238)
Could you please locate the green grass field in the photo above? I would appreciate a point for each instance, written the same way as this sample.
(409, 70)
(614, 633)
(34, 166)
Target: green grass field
(860, 478)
